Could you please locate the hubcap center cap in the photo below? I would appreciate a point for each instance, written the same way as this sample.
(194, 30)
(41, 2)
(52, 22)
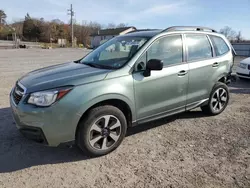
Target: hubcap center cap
(105, 132)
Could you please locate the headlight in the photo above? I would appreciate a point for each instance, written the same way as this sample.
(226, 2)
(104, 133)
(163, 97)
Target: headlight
(47, 98)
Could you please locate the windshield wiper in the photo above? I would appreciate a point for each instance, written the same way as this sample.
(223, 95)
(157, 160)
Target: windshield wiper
(95, 65)
(92, 65)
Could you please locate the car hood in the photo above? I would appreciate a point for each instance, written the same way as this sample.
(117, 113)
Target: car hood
(61, 75)
(246, 61)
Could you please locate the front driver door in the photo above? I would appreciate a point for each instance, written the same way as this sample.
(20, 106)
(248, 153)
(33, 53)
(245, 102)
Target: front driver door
(163, 92)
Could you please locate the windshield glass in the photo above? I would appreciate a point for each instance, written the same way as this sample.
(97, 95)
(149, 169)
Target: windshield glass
(114, 53)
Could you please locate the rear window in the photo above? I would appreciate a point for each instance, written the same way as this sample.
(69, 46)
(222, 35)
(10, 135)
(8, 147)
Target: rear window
(220, 46)
(199, 47)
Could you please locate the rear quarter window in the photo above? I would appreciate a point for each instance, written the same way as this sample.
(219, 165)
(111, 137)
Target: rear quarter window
(220, 46)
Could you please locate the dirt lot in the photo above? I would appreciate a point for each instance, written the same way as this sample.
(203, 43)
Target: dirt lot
(187, 150)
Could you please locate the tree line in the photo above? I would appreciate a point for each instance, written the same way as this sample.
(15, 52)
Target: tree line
(39, 30)
(231, 34)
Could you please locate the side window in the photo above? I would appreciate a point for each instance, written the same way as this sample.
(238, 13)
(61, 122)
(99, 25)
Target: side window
(169, 49)
(198, 47)
(220, 46)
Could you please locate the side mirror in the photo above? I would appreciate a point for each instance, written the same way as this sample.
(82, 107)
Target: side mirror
(153, 64)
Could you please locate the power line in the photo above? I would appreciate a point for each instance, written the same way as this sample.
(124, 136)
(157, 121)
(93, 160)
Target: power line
(71, 13)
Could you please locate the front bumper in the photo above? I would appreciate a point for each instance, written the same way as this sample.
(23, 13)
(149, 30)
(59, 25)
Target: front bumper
(243, 73)
(51, 126)
(35, 134)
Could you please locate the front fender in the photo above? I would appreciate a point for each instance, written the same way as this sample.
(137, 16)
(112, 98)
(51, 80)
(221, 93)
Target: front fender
(88, 95)
(105, 97)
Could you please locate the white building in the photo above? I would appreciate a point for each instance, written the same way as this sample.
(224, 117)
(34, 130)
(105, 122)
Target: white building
(106, 34)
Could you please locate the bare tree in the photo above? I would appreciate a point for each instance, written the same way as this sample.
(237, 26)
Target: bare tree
(121, 25)
(228, 32)
(94, 25)
(239, 37)
(111, 26)
(57, 21)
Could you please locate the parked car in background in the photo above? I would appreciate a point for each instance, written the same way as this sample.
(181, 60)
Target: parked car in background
(129, 80)
(243, 69)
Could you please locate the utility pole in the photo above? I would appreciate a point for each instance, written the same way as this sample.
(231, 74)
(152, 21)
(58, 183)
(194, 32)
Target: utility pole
(71, 13)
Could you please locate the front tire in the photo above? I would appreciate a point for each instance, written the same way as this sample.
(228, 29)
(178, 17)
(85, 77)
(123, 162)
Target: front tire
(101, 131)
(218, 100)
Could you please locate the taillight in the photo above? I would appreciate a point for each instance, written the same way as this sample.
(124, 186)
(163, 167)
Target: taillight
(249, 67)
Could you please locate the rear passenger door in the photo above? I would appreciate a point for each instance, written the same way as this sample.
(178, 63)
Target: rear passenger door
(224, 57)
(199, 54)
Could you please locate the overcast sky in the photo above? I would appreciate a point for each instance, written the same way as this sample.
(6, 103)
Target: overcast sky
(139, 13)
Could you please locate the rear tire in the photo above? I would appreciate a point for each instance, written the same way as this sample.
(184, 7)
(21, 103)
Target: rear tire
(218, 100)
(101, 131)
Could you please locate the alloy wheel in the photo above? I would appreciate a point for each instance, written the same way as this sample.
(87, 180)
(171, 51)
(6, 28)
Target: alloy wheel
(219, 99)
(105, 132)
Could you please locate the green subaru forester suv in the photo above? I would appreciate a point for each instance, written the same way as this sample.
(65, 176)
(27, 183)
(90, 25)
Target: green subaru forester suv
(129, 80)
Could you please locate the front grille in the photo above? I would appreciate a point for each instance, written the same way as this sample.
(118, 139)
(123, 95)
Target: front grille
(243, 65)
(17, 94)
(19, 88)
(16, 97)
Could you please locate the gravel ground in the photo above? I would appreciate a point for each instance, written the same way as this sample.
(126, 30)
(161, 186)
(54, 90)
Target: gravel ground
(186, 150)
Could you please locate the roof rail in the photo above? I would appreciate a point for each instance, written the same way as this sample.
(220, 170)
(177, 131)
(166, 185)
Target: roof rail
(190, 28)
(139, 30)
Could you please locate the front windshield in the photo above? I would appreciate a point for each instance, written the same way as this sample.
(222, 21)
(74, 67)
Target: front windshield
(114, 53)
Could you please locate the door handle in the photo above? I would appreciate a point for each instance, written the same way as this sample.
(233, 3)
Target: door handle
(182, 73)
(216, 64)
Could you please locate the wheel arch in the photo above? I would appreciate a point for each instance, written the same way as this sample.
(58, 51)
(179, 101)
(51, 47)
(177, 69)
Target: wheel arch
(222, 78)
(120, 102)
